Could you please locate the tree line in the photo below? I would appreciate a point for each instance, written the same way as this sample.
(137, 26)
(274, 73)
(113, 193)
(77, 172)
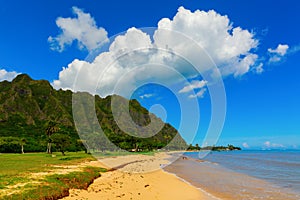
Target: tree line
(62, 139)
(229, 147)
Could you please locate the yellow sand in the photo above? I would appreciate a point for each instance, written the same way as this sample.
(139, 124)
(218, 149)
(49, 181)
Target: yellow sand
(141, 179)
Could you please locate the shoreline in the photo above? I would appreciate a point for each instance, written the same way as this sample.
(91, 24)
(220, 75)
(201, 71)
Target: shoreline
(228, 183)
(139, 177)
(200, 189)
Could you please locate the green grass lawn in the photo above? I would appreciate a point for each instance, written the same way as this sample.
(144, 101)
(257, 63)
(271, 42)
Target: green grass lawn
(17, 180)
(14, 164)
(121, 153)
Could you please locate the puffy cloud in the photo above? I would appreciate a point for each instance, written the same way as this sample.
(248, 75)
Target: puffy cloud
(108, 68)
(246, 145)
(5, 75)
(229, 48)
(132, 40)
(280, 50)
(193, 85)
(82, 28)
(276, 55)
(136, 56)
(199, 94)
(240, 66)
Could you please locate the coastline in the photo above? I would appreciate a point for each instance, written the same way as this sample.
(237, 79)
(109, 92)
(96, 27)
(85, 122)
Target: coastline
(230, 183)
(138, 177)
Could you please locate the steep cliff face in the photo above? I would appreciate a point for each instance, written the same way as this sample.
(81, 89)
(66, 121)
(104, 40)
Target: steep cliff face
(27, 106)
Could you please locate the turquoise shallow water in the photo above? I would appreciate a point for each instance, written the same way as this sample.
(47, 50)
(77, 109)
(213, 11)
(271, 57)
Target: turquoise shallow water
(243, 174)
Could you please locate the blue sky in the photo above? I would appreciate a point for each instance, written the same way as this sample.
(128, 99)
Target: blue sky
(262, 106)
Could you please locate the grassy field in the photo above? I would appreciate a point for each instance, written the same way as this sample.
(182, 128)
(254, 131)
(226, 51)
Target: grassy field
(121, 153)
(43, 176)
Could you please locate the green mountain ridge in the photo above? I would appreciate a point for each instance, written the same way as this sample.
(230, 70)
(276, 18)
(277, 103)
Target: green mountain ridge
(28, 107)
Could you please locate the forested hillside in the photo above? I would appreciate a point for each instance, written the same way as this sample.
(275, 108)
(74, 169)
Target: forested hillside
(34, 115)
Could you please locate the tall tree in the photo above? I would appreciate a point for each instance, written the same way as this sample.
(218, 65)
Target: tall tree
(50, 130)
(61, 141)
(22, 142)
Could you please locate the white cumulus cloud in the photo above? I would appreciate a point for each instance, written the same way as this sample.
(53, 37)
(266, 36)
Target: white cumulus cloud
(135, 56)
(8, 76)
(277, 54)
(280, 50)
(82, 28)
(108, 67)
(229, 48)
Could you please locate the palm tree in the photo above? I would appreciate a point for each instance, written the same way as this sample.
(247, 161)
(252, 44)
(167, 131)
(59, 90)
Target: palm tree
(51, 129)
(22, 142)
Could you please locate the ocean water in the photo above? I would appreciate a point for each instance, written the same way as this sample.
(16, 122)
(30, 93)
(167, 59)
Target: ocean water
(243, 175)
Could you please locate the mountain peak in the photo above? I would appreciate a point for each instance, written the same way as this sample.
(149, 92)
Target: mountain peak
(22, 78)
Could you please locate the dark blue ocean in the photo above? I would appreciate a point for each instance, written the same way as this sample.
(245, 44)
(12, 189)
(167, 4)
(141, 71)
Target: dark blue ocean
(243, 174)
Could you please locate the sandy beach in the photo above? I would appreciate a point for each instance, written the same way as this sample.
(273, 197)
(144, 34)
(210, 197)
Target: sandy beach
(137, 177)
